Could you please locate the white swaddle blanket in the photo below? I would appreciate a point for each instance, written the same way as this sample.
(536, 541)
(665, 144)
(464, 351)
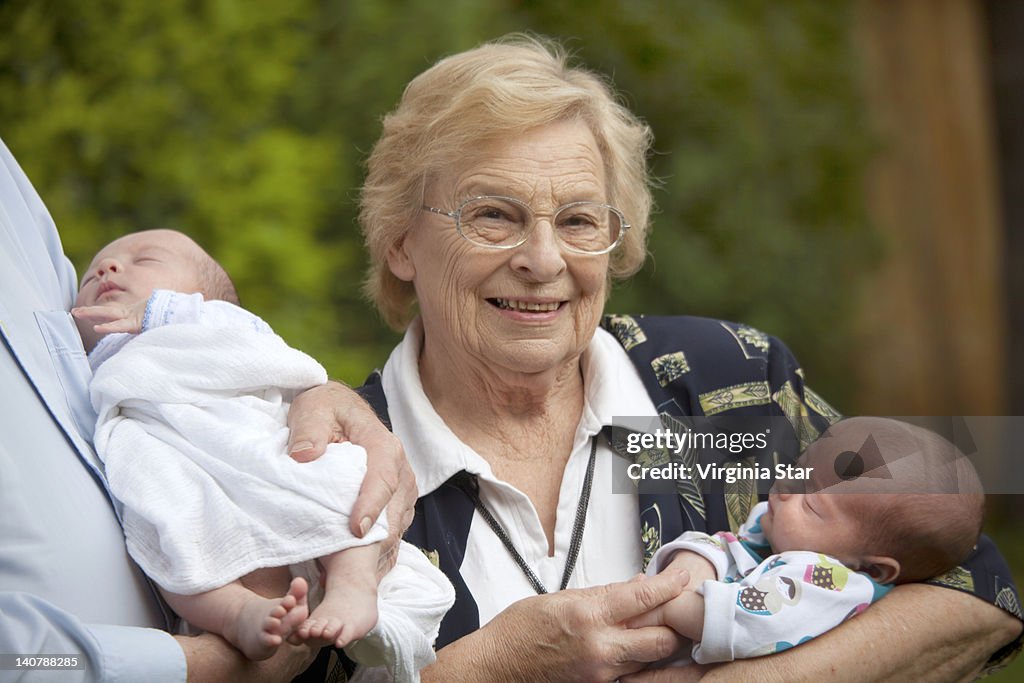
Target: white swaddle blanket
(192, 432)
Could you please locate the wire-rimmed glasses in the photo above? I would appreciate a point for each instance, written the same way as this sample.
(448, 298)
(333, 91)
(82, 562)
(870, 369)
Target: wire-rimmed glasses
(498, 222)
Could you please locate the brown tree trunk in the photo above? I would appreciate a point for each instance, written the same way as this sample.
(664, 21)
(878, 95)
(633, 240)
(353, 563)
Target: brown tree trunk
(932, 333)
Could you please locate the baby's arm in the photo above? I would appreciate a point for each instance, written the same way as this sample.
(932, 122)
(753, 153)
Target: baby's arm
(683, 614)
(165, 307)
(705, 559)
(701, 569)
(710, 561)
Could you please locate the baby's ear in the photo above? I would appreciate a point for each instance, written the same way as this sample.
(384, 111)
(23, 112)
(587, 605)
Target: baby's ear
(880, 568)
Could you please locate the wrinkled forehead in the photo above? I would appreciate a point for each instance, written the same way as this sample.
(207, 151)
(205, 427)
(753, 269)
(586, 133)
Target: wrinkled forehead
(563, 156)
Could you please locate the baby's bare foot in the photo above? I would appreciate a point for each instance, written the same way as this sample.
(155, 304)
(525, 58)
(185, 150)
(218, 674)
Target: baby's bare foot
(292, 612)
(346, 614)
(264, 623)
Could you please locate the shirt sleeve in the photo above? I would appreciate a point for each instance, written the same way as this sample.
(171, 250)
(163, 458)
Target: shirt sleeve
(733, 555)
(751, 532)
(32, 626)
(789, 599)
(174, 308)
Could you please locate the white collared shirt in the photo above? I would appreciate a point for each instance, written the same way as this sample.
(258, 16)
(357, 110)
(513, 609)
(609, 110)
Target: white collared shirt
(611, 549)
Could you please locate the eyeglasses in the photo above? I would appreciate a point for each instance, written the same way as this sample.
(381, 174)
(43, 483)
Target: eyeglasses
(505, 223)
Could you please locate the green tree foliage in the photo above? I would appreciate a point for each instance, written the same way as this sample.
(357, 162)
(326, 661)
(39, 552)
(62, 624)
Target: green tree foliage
(246, 125)
(130, 116)
(760, 146)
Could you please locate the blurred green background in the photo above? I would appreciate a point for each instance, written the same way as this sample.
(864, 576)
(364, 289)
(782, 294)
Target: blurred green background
(246, 124)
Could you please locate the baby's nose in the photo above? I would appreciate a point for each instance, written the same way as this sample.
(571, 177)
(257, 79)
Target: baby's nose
(108, 265)
(784, 488)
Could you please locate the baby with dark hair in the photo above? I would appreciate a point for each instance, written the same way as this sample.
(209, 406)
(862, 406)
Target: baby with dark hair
(886, 503)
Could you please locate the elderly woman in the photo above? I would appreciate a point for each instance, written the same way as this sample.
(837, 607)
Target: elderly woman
(505, 194)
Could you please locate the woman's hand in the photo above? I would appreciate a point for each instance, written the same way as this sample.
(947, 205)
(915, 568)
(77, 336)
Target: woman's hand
(572, 635)
(333, 413)
(683, 615)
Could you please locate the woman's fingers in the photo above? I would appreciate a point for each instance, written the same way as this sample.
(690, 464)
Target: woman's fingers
(655, 617)
(648, 644)
(313, 422)
(633, 598)
(389, 483)
(334, 412)
(580, 634)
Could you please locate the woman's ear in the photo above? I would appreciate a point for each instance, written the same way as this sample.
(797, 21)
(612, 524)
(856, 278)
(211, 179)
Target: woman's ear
(400, 262)
(880, 568)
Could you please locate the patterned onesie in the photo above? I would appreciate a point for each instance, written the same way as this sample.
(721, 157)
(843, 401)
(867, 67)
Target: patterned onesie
(763, 603)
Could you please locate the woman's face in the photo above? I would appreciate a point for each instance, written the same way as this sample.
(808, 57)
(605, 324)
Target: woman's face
(531, 309)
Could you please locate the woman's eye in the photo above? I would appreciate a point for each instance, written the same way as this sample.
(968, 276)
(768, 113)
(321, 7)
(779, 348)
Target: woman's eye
(491, 211)
(492, 214)
(578, 222)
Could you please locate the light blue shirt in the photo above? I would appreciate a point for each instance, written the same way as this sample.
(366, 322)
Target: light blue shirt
(67, 584)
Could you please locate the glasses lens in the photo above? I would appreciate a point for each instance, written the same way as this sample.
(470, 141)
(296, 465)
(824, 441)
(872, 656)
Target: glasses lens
(588, 227)
(493, 221)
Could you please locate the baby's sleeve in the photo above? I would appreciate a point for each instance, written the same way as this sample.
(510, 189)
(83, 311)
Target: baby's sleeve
(711, 548)
(174, 308)
(791, 598)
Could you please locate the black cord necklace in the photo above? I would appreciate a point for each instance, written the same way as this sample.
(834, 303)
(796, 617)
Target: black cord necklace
(471, 487)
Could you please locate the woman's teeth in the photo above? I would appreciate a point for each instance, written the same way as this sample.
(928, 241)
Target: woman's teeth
(514, 305)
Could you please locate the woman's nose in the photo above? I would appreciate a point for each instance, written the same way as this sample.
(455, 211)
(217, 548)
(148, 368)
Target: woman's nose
(540, 257)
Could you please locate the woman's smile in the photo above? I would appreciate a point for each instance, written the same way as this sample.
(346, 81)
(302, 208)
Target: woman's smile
(526, 306)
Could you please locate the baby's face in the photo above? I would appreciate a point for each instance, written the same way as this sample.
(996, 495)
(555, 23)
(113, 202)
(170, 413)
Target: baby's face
(128, 269)
(825, 513)
(817, 521)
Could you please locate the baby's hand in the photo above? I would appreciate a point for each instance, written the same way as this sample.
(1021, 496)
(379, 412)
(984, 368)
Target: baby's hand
(115, 317)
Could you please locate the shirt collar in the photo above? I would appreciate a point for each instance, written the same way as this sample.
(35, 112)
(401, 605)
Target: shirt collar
(612, 388)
